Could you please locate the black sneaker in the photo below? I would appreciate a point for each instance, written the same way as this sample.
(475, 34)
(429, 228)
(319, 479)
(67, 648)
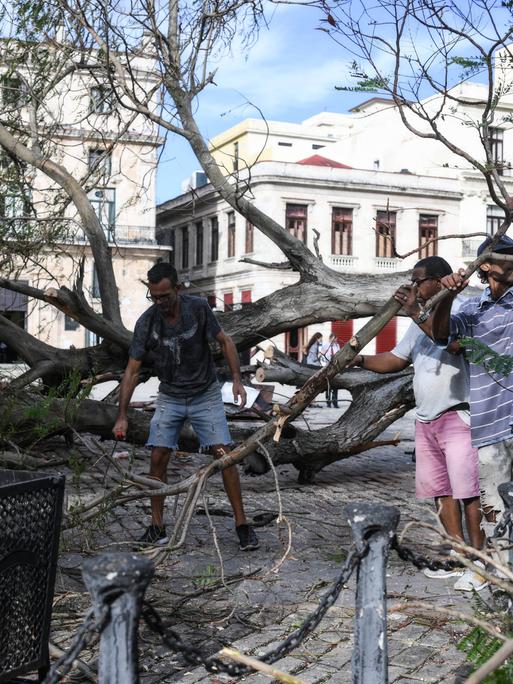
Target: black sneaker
(247, 537)
(154, 535)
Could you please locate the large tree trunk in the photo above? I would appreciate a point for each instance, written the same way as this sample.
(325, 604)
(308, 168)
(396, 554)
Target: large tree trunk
(378, 400)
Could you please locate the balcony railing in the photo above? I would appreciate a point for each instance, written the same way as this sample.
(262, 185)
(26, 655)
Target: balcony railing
(343, 261)
(121, 235)
(386, 263)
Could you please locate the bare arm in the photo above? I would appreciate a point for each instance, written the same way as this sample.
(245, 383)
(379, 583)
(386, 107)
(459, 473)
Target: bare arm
(128, 384)
(441, 316)
(381, 363)
(232, 358)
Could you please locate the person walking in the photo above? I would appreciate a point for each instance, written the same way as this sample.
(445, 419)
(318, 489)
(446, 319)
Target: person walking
(175, 333)
(313, 350)
(446, 466)
(327, 352)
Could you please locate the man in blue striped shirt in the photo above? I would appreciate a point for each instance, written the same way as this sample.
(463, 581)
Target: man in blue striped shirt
(489, 319)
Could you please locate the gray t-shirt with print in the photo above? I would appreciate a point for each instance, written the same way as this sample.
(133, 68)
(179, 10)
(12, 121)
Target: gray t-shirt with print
(180, 353)
(441, 379)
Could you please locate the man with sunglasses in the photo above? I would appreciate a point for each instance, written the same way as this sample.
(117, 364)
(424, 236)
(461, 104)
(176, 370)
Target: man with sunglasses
(174, 334)
(446, 463)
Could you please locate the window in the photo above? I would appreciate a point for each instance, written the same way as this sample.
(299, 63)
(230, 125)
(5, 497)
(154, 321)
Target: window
(341, 231)
(235, 156)
(250, 230)
(231, 233)
(428, 230)
(285, 144)
(14, 92)
(100, 161)
(245, 297)
(185, 247)
(385, 233)
(214, 239)
(15, 206)
(199, 243)
(95, 285)
(70, 323)
(295, 220)
(228, 301)
(103, 202)
(91, 338)
(496, 140)
(102, 100)
(295, 342)
(494, 218)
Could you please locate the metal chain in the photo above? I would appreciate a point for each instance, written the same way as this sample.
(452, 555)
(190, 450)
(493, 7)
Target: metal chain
(420, 561)
(213, 664)
(63, 665)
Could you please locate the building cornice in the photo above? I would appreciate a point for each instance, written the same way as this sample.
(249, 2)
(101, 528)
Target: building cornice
(286, 174)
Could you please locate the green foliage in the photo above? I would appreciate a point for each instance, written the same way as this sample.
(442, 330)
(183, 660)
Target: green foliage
(468, 62)
(337, 557)
(471, 66)
(206, 578)
(365, 83)
(39, 419)
(368, 85)
(480, 647)
(479, 353)
(78, 466)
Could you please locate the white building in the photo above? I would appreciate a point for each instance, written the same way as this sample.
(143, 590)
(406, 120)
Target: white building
(362, 180)
(113, 153)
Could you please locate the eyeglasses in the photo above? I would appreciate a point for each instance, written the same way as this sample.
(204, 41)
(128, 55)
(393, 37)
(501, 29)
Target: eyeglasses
(159, 298)
(418, 281)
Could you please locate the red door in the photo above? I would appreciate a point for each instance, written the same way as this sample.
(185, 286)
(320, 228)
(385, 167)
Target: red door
(343, 330)
(387, 338)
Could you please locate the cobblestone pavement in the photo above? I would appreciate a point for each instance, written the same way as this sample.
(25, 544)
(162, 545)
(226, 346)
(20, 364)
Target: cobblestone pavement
(253, 600)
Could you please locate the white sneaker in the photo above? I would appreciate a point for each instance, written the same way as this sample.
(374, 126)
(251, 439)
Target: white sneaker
(471, 580)
(442, 574)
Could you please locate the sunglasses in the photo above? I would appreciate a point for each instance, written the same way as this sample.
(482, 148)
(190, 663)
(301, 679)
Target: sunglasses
(159, 298)
(418, 281)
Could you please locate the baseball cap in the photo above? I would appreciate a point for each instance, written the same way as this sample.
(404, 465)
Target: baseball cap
(505, 243)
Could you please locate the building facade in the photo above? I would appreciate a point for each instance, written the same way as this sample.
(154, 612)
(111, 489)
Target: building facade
(113, 154)
(372, 190)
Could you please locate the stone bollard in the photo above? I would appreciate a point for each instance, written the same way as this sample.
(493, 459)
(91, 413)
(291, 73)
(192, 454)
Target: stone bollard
(374, 524)
(118, 580)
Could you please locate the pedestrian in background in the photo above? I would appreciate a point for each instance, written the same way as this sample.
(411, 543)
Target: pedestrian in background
(313, 350)
(328, 351)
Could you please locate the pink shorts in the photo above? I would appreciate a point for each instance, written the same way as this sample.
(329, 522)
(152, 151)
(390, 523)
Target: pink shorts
(446, 463)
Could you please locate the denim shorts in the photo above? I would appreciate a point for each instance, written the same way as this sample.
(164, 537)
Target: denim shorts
(205, 412)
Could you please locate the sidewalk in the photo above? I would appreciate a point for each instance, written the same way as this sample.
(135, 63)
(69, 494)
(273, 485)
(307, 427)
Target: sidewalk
(265, 597)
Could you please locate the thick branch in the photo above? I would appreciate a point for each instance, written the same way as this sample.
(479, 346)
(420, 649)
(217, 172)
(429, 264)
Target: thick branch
(90, 221)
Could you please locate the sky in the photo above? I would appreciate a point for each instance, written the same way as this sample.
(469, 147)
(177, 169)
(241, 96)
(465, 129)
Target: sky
(290, 74)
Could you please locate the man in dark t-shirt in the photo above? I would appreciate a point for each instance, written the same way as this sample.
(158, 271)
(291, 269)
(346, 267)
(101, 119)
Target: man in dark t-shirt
(174, 335)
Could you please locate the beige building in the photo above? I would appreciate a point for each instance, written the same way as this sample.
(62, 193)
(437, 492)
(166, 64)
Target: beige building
(362, 180)
(113, 153)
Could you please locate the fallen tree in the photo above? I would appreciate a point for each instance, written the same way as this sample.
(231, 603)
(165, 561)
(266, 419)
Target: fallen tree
(181, 40)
